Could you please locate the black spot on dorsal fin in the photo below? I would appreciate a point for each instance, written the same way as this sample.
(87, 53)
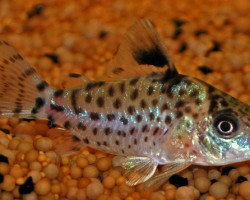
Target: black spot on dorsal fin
(152, 56)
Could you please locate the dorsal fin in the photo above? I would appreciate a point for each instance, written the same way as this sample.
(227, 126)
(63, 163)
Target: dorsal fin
(141, 53)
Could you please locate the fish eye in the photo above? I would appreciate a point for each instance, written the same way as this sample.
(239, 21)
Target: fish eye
(226, 125)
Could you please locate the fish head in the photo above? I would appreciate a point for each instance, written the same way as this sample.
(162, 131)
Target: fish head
(223, 132)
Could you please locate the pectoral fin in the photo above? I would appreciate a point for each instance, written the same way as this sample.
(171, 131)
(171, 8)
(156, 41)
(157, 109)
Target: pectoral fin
(137, 169)
(169, 170)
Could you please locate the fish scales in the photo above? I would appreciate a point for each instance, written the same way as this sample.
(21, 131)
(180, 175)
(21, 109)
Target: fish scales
(144, 112)
(145, 118)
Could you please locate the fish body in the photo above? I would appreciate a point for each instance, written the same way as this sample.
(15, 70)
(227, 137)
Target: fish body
(130, 117)
(146, 113)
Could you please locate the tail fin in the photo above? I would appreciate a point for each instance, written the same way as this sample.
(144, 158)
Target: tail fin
(23, 93)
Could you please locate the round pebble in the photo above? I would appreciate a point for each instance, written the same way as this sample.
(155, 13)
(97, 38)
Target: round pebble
(200, 173)
(185, 193)
(81, 194)
(65, 170)
(24, 146)
(42, 158)
(94, 190)
(108, 182)
(170, 194)
(13, 144)
(51, 171)
(213, 174)
(65, 160)
(8, 183)
(218, 190)
(24, 164)
(20, 181)
(90, 171)
(115, 173)
(42, 187)
(72, 191)
(20, 156)
(82, 162)
(120, 180)
(54, 158)
(35, 166)
(202, 184)
(75, 172)
(225, 179)
(56, 188)
(234, 174)
(125, 189)
(31, 155)
(244, 190)
(104, 164)
(71, 182)
(43, 144)
(4, 168)
(16, 171)
(243, 170)
(83, 182)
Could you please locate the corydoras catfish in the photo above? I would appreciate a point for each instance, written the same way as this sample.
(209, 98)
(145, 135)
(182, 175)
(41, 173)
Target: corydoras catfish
(145, 113)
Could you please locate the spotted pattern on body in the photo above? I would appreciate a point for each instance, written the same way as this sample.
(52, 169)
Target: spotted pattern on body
(129, 112)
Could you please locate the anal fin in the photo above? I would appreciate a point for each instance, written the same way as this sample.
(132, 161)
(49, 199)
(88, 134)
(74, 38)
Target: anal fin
(137, 169)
